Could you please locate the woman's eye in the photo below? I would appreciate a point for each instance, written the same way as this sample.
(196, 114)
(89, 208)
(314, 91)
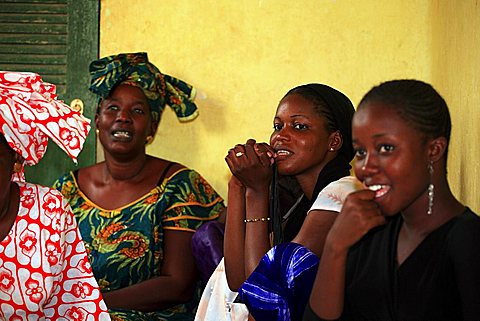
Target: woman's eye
(112, 107)
(360, 153)
(300, 126)
(277, 127)
(139, 110)
(386, 148)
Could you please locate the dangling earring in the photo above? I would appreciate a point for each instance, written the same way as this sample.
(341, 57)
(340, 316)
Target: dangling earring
(430, 190)
(17, 167)
(149, 139)
(97, 131)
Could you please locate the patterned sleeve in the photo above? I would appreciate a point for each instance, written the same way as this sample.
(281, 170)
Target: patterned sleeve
(65, 184)
(331, 198)
(76, 294)
(191, 200)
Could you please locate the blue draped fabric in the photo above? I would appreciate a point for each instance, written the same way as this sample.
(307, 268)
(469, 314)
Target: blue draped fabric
(280, 286)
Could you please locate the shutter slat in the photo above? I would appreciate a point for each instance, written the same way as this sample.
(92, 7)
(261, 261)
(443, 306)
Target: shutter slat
(36, 2)
(40, 28)
(24, 38)
(43, 70)
(32, 18)
(33, 59)
(16, 49)
(39, 7)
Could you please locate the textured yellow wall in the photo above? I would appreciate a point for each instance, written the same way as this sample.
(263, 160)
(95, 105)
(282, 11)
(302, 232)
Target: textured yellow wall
(244, 55)
(456, 74)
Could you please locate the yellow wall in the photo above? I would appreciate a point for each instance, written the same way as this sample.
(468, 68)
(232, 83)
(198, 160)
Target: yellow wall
(244, 55)
(456, 73)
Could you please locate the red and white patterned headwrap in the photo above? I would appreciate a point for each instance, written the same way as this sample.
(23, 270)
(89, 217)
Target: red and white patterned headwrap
(30, 114)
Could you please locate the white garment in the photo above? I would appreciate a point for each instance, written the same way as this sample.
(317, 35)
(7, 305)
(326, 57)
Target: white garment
(331, 198)
(216, 303)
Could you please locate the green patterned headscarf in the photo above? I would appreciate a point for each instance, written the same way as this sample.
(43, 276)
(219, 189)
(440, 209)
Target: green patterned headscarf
(134, 69)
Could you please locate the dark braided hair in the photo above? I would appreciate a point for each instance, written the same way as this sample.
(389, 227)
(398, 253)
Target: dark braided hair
(319, 105)
(418, 103)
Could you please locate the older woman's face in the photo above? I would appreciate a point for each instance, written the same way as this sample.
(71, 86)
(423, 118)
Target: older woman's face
(390, 155)
(124, 120)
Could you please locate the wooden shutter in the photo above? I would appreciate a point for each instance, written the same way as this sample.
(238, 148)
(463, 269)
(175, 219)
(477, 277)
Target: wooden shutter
(33, 37)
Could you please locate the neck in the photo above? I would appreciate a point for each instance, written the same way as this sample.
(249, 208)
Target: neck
(307, 182)
(123, 171)
(7, 202)
(445, 207)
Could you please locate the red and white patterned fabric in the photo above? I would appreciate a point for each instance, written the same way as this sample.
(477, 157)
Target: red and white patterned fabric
(30, 114)
(44, 270)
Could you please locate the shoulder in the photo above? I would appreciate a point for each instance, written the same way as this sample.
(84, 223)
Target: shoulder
(466, 228)
(162, 167)
(178, 172)
(67, 177)
(66, 184)
(331, 198)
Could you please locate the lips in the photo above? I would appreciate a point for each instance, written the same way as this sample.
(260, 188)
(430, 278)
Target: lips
(380, 190)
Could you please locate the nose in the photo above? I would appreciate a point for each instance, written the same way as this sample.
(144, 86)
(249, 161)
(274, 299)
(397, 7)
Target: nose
(367, 167)
(123, 115)
(280, 135)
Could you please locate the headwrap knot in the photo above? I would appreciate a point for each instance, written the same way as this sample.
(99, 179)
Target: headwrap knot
(134, 69)
(30, 114)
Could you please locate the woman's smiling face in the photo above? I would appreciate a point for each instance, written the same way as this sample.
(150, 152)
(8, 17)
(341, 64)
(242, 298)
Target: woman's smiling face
(300, 137)
(391, 157)
(124, 120)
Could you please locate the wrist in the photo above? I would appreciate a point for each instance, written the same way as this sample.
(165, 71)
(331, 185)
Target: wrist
(256, 219)
(236, 184)
(258, 189)
(334, 249)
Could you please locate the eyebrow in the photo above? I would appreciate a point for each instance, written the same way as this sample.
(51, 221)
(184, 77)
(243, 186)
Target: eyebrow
(376, 136)
(295, 116)
(138, 101)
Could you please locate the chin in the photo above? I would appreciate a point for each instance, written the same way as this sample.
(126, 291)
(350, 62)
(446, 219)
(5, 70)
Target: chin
(388, 211)
(286, 171)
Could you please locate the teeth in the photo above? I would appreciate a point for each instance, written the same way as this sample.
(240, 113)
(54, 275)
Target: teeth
(375, 187)
(121, 134)
(283, 152)
(379, 190)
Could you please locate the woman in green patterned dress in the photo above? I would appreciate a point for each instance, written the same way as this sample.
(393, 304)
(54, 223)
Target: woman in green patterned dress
(137, 213)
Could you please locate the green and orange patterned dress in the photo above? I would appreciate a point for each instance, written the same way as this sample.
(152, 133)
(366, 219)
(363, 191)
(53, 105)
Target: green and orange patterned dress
(125, 245)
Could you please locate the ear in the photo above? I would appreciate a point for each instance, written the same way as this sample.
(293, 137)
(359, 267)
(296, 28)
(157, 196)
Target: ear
(19, 158)
(335, 141)
(437, 148)
(153, 128)
(97, 111)
(17, 167)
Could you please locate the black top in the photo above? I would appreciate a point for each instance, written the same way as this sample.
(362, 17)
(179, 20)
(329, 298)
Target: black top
(440, 280)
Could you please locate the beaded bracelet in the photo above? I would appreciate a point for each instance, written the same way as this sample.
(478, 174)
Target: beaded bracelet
(260, 219)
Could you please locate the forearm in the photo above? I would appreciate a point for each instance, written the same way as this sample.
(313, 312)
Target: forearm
(327, 297)
(234, 240)
(155, 294)
(257, 241)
